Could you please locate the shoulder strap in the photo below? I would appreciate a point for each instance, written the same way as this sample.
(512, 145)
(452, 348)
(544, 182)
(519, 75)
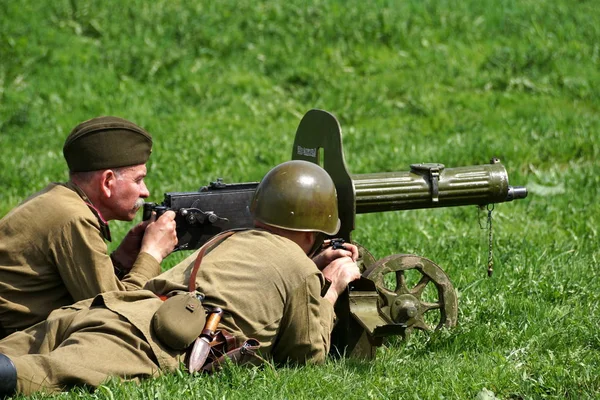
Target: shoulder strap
(212, 242)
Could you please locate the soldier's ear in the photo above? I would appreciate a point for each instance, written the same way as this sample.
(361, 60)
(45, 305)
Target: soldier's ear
(308, 242)
(108, 180)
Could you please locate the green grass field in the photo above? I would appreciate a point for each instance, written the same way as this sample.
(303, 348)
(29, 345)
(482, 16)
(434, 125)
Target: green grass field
(222, 87)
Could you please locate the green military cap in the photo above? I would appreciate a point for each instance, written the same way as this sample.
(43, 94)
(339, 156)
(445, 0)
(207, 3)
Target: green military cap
(106, 142)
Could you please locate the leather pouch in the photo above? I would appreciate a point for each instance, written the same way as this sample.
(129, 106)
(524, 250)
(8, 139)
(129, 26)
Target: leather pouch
(246, 354)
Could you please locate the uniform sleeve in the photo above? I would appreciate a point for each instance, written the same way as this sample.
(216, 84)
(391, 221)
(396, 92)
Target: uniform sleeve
(80, 255)
(305, 331)
(144, 268)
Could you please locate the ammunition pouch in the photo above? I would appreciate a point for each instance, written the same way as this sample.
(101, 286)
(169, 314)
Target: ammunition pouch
(179, 320)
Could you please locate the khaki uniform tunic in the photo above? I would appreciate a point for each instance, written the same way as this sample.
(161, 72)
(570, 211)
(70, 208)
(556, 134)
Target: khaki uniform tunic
(53, 253)
(269, 289)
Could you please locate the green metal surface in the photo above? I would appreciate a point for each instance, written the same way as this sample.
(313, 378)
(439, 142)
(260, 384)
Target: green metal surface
(299, 196)
(408, 190)
(365, 258)
(319, 140)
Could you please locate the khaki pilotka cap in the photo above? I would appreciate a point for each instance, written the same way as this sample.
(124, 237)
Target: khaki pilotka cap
(106, 142)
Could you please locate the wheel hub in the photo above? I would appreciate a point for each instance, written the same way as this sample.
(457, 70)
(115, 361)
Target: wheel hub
(403, 308)
(405, 303)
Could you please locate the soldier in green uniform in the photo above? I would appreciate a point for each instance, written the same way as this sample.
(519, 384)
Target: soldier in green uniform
(262, 278)
(52, 246)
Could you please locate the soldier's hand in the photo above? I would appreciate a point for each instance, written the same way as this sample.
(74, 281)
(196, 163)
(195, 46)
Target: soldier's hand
(340, 273)
(160, 237)
(126, 254)
(328, 255)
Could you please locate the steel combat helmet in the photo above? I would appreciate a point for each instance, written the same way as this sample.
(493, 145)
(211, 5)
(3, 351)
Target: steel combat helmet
(299, 196)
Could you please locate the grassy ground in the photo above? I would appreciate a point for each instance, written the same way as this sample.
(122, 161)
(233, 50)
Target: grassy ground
(222, 87)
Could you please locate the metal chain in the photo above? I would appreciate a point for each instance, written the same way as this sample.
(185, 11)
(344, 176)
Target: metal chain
(488, 226)
(490, 266)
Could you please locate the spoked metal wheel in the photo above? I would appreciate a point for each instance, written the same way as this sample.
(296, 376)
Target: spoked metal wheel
(415, 291)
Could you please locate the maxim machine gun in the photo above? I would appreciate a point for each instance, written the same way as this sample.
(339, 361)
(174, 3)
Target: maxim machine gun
(373, 308)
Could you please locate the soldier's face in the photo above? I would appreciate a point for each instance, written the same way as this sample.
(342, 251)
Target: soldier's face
(129, 191)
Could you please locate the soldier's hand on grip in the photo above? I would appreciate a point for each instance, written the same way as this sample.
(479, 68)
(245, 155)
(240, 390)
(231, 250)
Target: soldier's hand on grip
(329, 254)
(160, 237)
(340, 272)
(127, 252)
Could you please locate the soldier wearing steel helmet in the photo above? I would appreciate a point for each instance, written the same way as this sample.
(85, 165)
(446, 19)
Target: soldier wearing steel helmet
(53, 248)
(263, 280)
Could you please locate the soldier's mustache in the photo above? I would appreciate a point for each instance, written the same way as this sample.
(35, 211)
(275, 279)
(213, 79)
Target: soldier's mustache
(139, 203)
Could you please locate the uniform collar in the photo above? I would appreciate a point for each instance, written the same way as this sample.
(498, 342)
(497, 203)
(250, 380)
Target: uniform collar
(104, 228)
